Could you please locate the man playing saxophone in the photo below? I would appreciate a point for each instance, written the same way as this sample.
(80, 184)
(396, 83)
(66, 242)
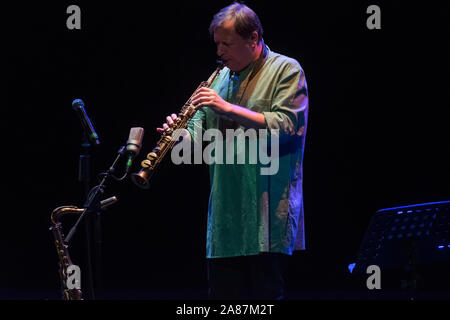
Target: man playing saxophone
(255, 221)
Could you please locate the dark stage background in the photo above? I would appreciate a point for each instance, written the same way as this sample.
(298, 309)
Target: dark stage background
(377, 134)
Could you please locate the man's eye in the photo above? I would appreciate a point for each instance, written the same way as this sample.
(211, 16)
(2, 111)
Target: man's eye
(223, 44)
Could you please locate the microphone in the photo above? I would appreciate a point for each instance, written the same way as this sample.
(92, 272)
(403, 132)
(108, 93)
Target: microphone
(134, 144)
(78, 107)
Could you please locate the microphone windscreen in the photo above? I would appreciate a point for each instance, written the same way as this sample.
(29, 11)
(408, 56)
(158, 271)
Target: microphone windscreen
(134, 142)
(77, 103)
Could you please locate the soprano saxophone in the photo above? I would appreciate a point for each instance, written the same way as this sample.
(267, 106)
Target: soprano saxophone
(166, 141)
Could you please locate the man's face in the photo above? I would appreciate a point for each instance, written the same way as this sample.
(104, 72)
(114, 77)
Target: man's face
(236, 52)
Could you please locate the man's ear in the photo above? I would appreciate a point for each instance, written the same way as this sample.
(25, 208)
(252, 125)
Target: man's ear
(254, 38)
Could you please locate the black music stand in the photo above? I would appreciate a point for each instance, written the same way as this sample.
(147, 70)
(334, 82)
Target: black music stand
(403, 238)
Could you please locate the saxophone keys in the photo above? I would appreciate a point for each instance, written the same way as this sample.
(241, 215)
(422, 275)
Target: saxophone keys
(146, 163)
(152, 156)
(191, 110)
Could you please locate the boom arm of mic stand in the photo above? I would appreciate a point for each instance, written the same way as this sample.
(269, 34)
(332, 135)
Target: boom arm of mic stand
(93, 203)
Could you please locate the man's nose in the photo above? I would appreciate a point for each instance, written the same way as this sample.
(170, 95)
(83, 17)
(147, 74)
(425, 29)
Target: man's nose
(220, 51)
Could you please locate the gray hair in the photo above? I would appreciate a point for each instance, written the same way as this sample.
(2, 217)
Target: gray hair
(245, 20)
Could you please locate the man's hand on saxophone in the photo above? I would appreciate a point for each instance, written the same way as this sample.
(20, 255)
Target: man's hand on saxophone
(203, 97)
(209, 97)
(170, 122)
(206, 97)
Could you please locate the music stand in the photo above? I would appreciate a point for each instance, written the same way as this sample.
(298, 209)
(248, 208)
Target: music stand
(403, 238)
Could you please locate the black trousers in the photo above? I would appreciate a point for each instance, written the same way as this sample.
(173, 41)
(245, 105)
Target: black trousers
(259, 277)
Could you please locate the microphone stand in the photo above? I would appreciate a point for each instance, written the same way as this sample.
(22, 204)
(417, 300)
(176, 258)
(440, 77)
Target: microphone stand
(92, 205)
(84, 174)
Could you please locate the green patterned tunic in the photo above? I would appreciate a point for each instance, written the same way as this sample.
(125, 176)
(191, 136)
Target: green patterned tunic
(248, 212)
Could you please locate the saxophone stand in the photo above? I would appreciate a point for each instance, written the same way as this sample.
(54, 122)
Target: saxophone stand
(93, 206)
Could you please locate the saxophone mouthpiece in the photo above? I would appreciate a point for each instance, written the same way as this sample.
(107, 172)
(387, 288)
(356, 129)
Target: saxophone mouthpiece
(220, 64)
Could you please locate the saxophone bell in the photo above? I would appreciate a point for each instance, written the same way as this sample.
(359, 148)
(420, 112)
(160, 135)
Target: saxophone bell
(142, 178)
